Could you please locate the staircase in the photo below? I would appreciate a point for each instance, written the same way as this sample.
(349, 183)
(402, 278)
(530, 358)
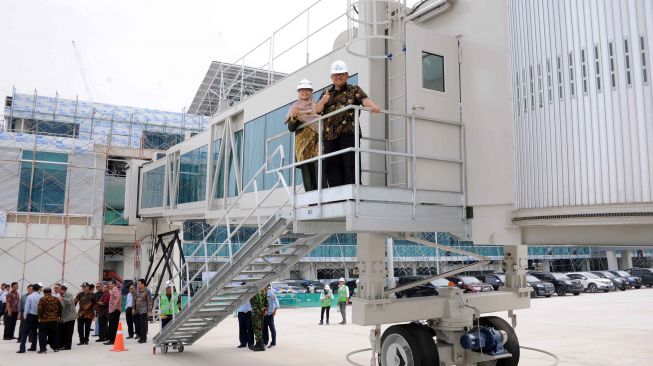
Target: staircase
(262, 259)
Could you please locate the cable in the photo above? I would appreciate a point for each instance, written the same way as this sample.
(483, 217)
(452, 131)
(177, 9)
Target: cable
(355, 352)
(557, 360)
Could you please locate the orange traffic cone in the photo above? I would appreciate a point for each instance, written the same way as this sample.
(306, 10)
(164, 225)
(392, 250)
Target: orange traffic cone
(119, 343)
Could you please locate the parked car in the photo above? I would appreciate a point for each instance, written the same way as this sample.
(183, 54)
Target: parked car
(470, 284)
(313, 286)
(562, 283)
(426, 289)
(282, 288)
(495, 280)
(591, 282)
(441, 282)
(540, 288)
(646, 274)
(352, 284)
(633, 281)
(297, 286)
(618, 282)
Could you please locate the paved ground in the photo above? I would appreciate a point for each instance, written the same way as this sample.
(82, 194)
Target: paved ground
(591, 329)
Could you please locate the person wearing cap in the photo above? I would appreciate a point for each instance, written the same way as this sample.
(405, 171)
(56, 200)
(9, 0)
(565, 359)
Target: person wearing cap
(86, 313)
(259, 308)
(343, 296)
(49, 315)
(11, 312)
(306, 138)
(102, 309)
(245, 332)
(338, 130)
(129, 315)
(170, 304)
(115, 307)
(326, 299)
(68, 316)
(21, 314)
(31, 316)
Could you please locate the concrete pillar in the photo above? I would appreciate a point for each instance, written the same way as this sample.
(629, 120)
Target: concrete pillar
(613, 265)
(545, 265)
(626, 260)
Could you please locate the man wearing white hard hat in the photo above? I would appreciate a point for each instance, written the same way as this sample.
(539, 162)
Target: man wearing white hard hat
(306, 138)
(343, 296)
(338, 130)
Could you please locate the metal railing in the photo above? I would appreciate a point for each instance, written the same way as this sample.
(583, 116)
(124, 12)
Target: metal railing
(409, 152)
(183, 272)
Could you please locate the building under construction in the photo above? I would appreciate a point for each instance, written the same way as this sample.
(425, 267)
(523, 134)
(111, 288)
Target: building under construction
(62, 187)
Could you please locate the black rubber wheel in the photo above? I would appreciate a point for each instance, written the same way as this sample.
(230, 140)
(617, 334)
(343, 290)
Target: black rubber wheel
(180, 348)
(164, 349)
(624, 287)
(408, 345)
(638, 287)
(650, 285)
(591, 288)
(607, 290)
(547, 295)
(576, 293)
(561, 291)
(512, 345)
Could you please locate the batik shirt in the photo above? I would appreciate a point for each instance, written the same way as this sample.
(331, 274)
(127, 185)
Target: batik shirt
(115, 300)
(12, 301)
(86, 305)
(306, 139)
(49, 309)
(341, 124)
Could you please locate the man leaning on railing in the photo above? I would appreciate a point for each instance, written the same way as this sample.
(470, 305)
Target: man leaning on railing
(338, 131)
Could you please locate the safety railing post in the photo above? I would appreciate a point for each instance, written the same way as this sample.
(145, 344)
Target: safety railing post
(357, 156)
(319, 166)
(414, 163)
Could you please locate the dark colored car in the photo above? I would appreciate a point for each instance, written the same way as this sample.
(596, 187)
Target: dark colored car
(495, 280)
(470, 284)
(540, 288)
(618, 282)
(646, 274)
(426, 289)
(562, 283)
(350, 283)
(633, 281)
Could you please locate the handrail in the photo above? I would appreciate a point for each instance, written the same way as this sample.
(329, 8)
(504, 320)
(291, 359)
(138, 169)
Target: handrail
(231, 232)
(357, 150)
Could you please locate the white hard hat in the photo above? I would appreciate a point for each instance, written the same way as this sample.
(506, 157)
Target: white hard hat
(338, 67)
(169, 284)
(327, 287)
(304, 84)
(341, 279)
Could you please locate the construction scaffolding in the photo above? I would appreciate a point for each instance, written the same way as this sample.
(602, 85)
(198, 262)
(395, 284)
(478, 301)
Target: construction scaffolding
(62, 183)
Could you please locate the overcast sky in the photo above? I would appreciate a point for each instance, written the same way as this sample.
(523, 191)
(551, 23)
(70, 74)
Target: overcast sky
(138, 53)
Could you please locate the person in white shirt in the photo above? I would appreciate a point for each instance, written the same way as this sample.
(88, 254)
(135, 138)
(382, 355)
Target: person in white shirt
(128, 311)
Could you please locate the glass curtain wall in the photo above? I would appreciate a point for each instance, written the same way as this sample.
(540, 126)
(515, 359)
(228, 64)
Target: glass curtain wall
(192, 175)
(258, 130)
(152, 191)
(42, 182)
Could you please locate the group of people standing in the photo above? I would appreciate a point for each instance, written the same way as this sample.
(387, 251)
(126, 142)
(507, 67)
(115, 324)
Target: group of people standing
(338, 130)
(256, 320)
(47, 314)
(326, 300)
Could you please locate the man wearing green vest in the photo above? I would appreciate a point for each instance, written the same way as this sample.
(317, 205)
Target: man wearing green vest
(343, 296)
(326, 299)
(170, 304)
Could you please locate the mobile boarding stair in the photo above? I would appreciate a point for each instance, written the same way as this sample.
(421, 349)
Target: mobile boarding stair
(261, 259)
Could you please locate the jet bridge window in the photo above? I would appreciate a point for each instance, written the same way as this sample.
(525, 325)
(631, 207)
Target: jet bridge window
(432, 71)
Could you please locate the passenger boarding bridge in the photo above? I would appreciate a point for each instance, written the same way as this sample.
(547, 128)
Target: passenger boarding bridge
(439, 158)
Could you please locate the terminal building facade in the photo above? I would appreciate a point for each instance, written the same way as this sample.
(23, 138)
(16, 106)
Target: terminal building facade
(87, 187)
